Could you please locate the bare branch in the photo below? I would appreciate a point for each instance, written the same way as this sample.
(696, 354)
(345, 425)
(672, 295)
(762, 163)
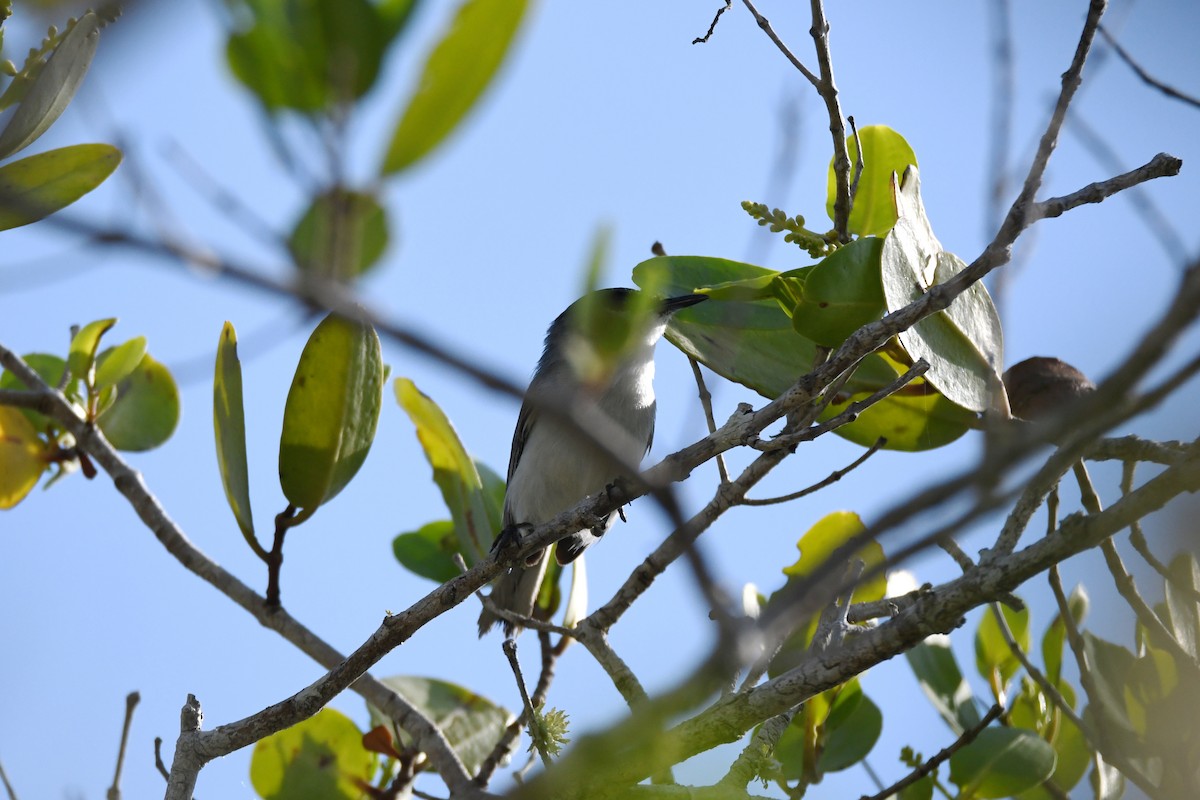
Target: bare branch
(131, 701)
(765, 24)
(1161, 166)
(712, 26)
(831, 479)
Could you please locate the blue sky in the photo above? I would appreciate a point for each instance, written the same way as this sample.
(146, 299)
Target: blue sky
(605, 114)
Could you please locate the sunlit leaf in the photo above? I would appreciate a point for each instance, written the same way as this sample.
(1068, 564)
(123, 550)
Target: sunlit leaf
(37, 186)
(453, 470)
(55, 85)
(116, 363)
(331, 412)
(23, 457)
(456, 73)
(146, 409)
(827, 535)
(84, 344)
(841, 294)
(994, 659)
(963, 344)
(752, 342)
(1002, 762)
(229, 425)
(884, 152)
(321, 758)
(472, 724)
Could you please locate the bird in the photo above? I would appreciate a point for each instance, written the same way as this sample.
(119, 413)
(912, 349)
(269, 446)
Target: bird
(552, 466)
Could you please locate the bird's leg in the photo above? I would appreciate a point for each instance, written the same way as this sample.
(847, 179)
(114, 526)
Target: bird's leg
(609, 489)
(510, 536)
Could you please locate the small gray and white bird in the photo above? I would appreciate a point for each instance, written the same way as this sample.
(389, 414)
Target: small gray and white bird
(552, 466)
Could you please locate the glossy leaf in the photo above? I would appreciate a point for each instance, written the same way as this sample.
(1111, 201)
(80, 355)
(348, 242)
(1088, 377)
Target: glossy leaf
(23, 457)
(51, 369)
(884, 152)
(472, 724)
(456, 73)
(850, 733)
(937, 671)
(82, 355)
(52, 89)
(841, 294)
(37, 186)
(1055, 636)
(321, 758)
(963, 344)
(1002, 762)
(827, 535)
(145, 411)
(1106, 781)
(331, 412)
(117, 363)
(453, 471)
(341, 235)
(308, 55)
(429, 550)
(994, 659)
(752, 342)
(229, 425)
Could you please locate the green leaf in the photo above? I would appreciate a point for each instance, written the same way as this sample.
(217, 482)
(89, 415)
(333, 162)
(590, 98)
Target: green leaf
(1055, 636)
(827, 535)
(146, 409)
(964, 343)
(321, 758)
(82, 355)
(937, 671)
(1073, 756)
(37, 186)
(920, 790)
(884, 152)
(52, 89)
(1002, 762)
(341, 235)
(841, 294)
(23, 457)
(453, 471)
(1111, 665)
(429, 550)
(472, 724)
(752, 342)
(852, 729)
(331, 412)
(308, 55)
(1184, 581)
(229, 427)
(116, 363)
(455, 75)
(51, 368)
(1106, 781)
(994, 659)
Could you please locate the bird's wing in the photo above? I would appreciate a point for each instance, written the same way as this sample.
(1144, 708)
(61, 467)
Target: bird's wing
(525, 422)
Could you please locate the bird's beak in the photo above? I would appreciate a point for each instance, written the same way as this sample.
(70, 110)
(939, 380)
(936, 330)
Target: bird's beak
(673, 304)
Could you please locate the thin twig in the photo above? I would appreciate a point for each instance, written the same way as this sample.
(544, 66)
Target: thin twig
(158, 761)
(510, 652)
(8, 787)
(131, 701)
(827, 89)
(929, 766)
(860, 162)
(765, 24)
(1147, 78)
(712, 26)
(706, 404)
(832, 478)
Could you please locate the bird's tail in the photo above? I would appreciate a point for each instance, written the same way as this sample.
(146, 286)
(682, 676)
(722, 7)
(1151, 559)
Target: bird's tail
(516, 591)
